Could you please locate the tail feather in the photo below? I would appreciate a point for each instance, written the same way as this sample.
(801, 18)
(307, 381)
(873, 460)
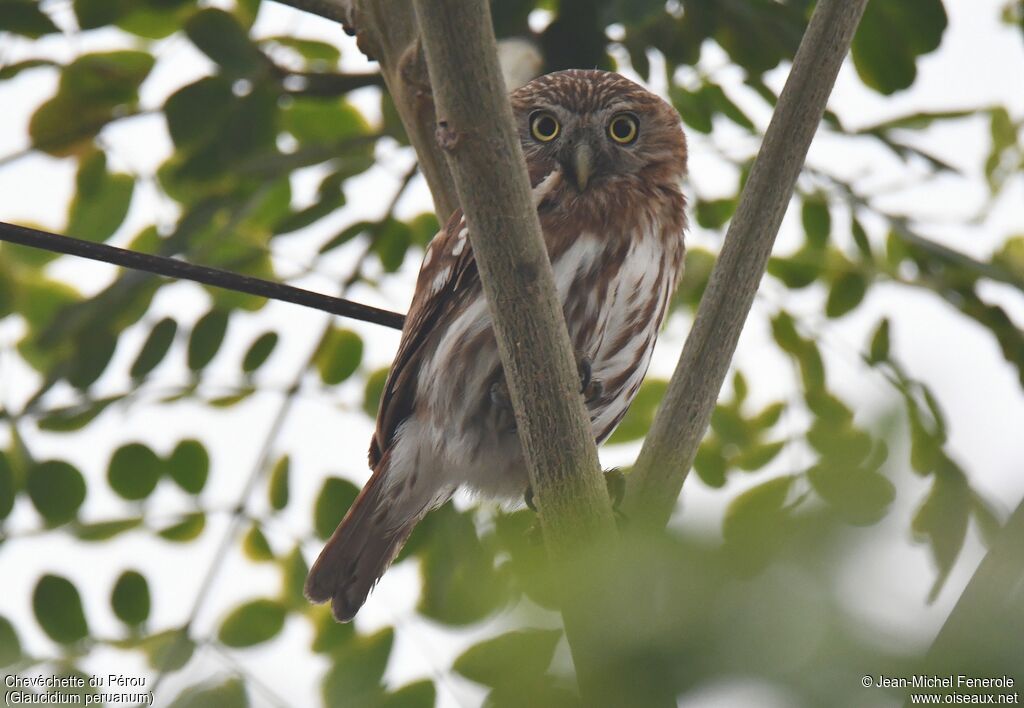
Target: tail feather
(360, 550)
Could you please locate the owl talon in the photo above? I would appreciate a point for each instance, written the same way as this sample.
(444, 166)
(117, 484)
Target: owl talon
(501, 400)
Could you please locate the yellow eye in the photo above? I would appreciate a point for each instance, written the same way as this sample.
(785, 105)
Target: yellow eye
(544, 126)
(624, 128)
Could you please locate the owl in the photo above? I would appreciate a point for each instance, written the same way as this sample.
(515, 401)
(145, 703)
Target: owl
(606, 160)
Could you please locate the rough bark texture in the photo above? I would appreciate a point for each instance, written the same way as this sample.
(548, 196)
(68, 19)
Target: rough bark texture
(478, 134)
(682, 420)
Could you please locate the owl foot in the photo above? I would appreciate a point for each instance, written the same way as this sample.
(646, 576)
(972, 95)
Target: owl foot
(590, 387)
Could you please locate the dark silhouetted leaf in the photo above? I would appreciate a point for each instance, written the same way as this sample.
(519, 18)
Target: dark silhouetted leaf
(58, 609)
(252, 623)
(206, 338)
(259, 352)
(130, 598)
(24, 17)
(512, 658)
(57, 490)
(155, 349)
(134, 471)
(93, 353)
(816, 220)
(189, 465)
(334, 499)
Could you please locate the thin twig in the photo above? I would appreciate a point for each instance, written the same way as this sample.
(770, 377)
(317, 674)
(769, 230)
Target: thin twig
(174, 268)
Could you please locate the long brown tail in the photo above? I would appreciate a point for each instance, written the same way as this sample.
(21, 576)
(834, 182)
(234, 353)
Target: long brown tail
(360, 550)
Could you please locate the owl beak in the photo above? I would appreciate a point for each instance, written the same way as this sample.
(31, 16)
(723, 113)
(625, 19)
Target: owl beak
(579, 165)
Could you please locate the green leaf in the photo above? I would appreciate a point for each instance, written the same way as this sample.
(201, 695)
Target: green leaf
(335, 497)
(817, 221)
(206, 338)
(25, 18)
(356, 675)
(256, 546)
(420, 694)
(229, 694)
(105, 530)
(460, 583)
(189, 528)
(715, 213)
(58, 609)
(391, 240)
(941, 520)
(259, 352)
(848, 290)
(155, 348)
(10, 645)
(860, 238)
(293, 580)
(860, 497)
(93, 14)
(169, 650)
(219, 36)
(134, 471)
(331, 636)
(93, 351)
(891, 36)
(755, 522)
(278, 488)
(755, 457)
(309, 49)
(879, 350)
(339, 355)
(515, 657)
(56, 489)
(640, 414)
(189, 465)
(130, 598)
(252, 623)
(8, 487)
(9, 71)
(101, 200)
(373, 391)
(696, 108)
(328, 121)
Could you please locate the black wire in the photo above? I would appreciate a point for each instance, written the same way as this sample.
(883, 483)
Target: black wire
(174, 268)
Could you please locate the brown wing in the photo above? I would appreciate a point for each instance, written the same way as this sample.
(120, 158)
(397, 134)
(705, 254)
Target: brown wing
(447, 275)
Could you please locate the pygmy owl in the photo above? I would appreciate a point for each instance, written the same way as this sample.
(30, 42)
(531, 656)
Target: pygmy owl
(606, 160)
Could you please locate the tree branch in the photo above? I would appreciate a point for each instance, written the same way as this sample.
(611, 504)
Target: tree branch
(983, 634)
(490, 175)
(174, 268)
(672, 442)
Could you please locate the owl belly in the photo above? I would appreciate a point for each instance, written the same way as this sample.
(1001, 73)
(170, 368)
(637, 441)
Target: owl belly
(614, 303)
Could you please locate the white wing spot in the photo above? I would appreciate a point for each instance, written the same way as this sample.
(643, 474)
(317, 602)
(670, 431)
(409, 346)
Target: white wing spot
(461, 243)
(428, 256)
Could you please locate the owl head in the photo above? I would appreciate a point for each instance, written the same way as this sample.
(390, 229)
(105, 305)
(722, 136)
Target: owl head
(602, 132)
